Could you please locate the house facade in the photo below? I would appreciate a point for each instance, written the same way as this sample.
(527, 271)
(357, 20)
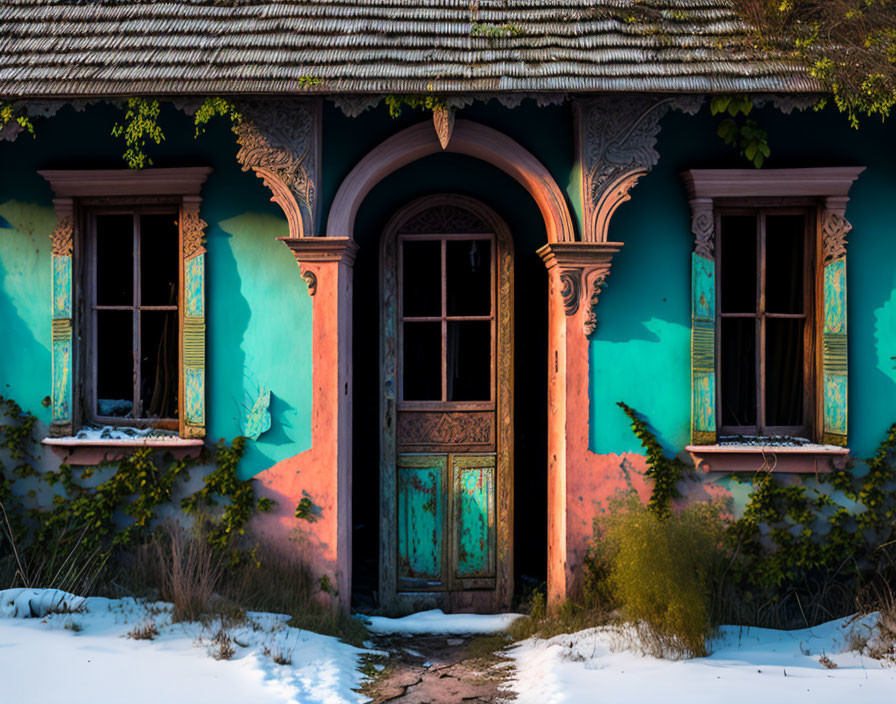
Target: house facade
(424, 323)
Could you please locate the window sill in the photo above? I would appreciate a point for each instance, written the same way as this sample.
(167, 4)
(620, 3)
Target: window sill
(89, 451)
(798, 459)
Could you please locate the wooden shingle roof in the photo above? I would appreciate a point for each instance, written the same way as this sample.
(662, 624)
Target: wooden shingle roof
(120, 47)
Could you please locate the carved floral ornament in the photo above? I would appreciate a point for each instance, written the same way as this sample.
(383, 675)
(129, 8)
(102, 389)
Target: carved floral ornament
(280, 141)
(581, 270)
(616, 137)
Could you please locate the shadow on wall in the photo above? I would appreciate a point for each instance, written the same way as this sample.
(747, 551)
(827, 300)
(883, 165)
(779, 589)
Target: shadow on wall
(25, 370)
(259, 336)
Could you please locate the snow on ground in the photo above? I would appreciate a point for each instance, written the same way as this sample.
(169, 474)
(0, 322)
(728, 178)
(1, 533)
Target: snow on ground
(746, 666)
(437, 622)
(86, 657)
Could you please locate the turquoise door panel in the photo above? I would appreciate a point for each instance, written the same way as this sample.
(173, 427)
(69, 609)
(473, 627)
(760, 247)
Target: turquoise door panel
(474, 516)
(421, 498)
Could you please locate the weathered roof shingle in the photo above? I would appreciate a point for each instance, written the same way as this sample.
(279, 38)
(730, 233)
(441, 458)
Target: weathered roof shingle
(121, 47)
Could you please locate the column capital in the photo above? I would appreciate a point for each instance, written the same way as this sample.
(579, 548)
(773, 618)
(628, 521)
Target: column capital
(311, 252)
(582, 268)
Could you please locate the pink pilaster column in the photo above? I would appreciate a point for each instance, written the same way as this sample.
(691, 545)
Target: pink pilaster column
(576, 271)
(323, 473)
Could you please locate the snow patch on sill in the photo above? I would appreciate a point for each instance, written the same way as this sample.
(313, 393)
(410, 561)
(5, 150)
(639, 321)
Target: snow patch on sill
(123, 436)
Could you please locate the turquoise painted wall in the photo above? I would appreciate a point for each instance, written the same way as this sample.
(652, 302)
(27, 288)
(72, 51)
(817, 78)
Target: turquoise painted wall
(259, 313)
(640, 352)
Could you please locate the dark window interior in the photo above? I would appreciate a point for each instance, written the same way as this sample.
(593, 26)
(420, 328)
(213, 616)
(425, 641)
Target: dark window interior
(763, 310)
(447, 319)
(134, 342)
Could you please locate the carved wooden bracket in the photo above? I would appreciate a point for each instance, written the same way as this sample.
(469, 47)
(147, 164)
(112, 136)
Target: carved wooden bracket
(582, 269)
(280, 141)
(312, 252)
(616, 136)
(834, 228)
(443, 121)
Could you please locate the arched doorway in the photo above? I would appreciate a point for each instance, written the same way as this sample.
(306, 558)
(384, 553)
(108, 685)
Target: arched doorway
(446, 413)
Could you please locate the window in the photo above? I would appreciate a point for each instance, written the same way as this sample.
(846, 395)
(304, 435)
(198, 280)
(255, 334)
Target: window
(128, 300)
(766, 325)
(132, 266)
(768, 303)
(447, 318)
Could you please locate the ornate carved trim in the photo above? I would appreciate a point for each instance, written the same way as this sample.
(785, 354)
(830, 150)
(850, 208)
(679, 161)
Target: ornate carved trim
(444, 218)
(616, 136)
(63, 235)
(310, 278)
(834, 229)
(320, 250)
(582, 269)
(703, 227)
(571, 289)
(446, 428)
(444, 124)
(193, 229)
(280, 141)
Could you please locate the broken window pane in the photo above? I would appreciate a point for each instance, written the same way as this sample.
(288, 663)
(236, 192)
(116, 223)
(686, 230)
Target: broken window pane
(784, 263)
(158, 364)
(469, 360)
(738, 371)
(114, 260)
(115, 363)
(469, 277)
(422, 278)
(737, 268)
(159, 260)
(784, 372)
(422, 361)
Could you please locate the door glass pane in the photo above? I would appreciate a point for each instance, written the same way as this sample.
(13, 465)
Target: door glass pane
(738, 264)
(784, 253)
(114, 363)
(469, 360)
(114, 260)
(158, 364)
(422, 367)
(738, 370)
(159, 241)
(422, 278)
(784, 372)
(469, 277)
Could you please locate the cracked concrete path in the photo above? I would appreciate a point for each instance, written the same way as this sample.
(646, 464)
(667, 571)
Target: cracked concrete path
(440, 670)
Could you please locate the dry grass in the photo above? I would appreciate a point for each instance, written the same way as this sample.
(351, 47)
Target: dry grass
(189, 571)
(145, 631)
(542, 622)
(282, 584)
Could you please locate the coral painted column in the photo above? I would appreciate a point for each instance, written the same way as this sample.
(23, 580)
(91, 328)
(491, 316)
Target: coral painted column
(577, 271)
(321, 535)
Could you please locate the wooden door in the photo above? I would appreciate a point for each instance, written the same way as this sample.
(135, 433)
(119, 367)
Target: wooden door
(446, 472)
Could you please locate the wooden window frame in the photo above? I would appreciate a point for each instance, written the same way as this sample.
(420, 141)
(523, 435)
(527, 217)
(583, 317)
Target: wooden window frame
(78, 192)
(444, 404)
(760, 209)
(827, 189)
(89, 275)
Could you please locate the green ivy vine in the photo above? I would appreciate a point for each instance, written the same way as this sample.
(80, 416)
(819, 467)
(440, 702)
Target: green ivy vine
(664, 472)
(396, 103)
(10, 113)
(737, 131)
(140, 486)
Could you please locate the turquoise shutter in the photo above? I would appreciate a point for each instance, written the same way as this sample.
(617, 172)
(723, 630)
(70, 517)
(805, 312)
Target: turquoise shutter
(703, 350)
(192, 322)
(834, 368)
(62, 358)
